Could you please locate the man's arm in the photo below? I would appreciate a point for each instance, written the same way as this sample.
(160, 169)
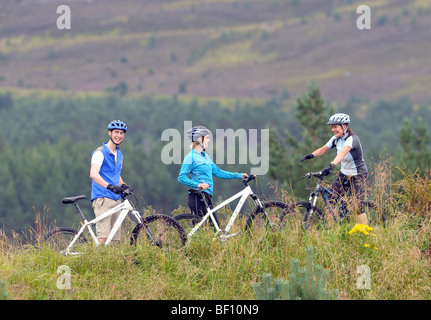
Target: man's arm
(96, 177)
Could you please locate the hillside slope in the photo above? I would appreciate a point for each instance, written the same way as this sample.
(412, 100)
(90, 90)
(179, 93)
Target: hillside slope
(219, 48)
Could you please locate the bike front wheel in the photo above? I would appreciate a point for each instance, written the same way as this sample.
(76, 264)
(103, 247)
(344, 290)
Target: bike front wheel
(301, 211)
(187, 221)
(159, 230)
(59, 239)
(268, 216)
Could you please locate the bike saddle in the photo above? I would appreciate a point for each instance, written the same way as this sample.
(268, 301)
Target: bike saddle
(195, 190)
(73, 199)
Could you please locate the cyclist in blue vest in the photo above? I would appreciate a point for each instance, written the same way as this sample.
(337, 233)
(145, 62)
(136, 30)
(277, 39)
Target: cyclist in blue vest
(198, 169)
(353, 173)
(107, 184)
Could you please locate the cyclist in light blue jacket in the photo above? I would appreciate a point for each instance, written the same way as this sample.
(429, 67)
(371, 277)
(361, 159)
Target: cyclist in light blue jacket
(198, 169)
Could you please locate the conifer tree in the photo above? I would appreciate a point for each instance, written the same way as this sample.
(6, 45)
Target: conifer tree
(414, 152)
(307, 283)
(312, 114)
(3, 293)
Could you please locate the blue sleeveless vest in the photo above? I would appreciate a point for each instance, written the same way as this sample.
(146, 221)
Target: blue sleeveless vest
(110, 171)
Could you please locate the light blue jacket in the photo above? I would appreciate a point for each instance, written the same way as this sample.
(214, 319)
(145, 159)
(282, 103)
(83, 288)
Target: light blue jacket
(199, 168)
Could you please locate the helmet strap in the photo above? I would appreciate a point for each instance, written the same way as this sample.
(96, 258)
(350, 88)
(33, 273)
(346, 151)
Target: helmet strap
(344, 129)
(110, 137)
(114, 142)
(202, 143)
(200, 140)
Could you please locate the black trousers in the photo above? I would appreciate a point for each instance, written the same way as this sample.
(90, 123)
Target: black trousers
(197, 205)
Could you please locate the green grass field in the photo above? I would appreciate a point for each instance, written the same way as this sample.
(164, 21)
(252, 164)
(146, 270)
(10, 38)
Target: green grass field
(395, 255)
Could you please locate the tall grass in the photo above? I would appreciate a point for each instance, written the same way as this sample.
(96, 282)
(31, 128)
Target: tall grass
(397, 261)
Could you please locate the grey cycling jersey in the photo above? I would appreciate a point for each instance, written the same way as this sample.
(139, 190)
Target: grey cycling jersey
(353, 163)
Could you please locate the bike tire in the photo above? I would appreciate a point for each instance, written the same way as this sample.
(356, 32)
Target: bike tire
(159, 230)
(187, 221)
(58, 239)
(300, 211)
(269, 217)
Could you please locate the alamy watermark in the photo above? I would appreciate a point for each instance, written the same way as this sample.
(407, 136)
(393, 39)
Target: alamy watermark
(364, 280)
(364, 20)
(63, 281)
(251, 146)
(64, 21)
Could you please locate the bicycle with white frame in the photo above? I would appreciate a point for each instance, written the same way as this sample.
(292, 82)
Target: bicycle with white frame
(157, 229)
(266, 213)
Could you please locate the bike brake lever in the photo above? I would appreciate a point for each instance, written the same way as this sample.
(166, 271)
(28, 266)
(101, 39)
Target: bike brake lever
(125, 193)
(320, 175)
(307, 175)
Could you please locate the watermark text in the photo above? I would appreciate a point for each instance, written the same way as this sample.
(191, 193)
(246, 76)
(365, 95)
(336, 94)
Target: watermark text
(239, 146)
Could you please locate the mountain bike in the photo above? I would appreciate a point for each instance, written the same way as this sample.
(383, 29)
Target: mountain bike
(158, 230)
(266, 213)
(311, 214)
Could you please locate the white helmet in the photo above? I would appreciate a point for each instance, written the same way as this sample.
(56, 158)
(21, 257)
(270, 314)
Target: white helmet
(339, 118)
(197, 132)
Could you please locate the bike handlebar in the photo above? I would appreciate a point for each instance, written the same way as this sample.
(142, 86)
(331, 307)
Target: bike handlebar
(318, 175)
(126, 192)
(248, 179)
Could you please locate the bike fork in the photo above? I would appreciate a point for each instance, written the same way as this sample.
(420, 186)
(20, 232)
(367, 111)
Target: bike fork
(308, 215)
(261, 208)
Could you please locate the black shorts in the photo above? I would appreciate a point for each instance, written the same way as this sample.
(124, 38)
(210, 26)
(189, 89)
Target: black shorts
(197, 205)
(352, 185)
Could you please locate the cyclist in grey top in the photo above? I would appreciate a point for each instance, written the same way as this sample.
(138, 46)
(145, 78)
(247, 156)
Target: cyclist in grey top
(353, 173)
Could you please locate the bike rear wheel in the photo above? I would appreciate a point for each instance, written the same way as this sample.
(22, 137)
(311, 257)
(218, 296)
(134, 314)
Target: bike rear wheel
(268, 217)
(301, 210)
(58, 239)
(159, 230)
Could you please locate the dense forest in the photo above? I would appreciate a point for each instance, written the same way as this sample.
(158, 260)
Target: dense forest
(47, 142)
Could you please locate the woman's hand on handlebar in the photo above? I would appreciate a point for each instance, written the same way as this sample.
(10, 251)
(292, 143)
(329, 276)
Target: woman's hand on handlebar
(246, 178)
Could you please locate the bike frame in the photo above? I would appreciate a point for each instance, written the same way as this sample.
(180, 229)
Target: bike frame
(224, 234)
(125, 207)
(325, 195)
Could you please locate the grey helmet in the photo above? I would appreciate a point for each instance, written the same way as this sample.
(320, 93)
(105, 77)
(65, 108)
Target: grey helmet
(339, 118)
(197, 132)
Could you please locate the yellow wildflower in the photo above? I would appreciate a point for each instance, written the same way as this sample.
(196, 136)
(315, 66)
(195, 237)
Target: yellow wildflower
(361, 228)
